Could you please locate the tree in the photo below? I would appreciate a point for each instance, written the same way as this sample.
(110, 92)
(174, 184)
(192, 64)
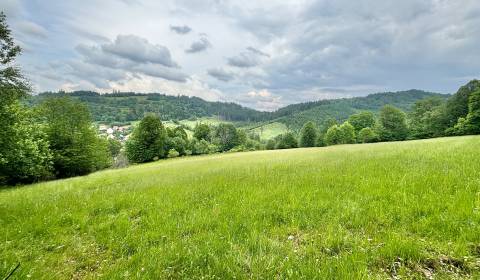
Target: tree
(308, 135)
(147, 141)
(202, 132)
(320, 142)
(333, 136)
(470, 124)
(393, 125)
(362, 120)
(226, 136)
(200, 147)
(287, 141)
(347, 133)
(114, 146)
(24, 153)
(457, 105)
(426, 118)
(270, 144)
(74, 143)
(179, 131)
(367, 135)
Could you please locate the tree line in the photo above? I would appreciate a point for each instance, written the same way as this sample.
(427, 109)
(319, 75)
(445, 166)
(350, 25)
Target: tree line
(428, 118)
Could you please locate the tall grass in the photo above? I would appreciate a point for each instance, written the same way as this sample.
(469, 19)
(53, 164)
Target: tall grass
(406, 209)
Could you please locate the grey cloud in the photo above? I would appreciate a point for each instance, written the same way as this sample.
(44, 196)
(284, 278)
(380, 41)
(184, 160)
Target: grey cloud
(113, 65)
(161, 72)
(184, 29)
(249, 58)
(244, 60)
(199, 46)
(30, 28)
(257, 51)
(139, 50)
(221, 74)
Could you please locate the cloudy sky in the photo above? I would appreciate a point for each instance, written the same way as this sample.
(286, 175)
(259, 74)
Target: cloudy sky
(262, 54)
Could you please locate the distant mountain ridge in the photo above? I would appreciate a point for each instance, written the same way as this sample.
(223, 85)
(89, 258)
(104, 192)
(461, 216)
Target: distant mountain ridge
(129, 106)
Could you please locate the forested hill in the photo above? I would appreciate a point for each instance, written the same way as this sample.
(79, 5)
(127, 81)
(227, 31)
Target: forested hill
(294, 116)
(128, 106)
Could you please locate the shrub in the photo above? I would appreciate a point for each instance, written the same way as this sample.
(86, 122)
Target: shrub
(172, 153)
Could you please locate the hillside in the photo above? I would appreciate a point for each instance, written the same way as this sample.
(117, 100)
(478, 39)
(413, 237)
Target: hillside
(386, 210)
(294, 116)
(127, 107)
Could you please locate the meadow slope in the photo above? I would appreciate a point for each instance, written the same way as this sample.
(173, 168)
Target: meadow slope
(376, 211)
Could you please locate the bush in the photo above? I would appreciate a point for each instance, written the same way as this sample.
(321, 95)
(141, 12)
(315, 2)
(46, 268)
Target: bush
(172, 153)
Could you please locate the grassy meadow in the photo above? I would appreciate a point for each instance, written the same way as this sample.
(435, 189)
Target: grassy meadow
(407, 210)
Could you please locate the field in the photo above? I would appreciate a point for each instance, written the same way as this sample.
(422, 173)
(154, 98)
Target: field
(270, 130)
(375, 211)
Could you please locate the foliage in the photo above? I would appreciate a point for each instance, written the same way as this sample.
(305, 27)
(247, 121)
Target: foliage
(270, 144)
(201, 147)
(362, 120)
(202, 132)
(286, 141)
(129, 106)
(470, 124)
(426, 118)
(308, 135)
(114, 146)
(334, 136)
(75, 146)
(147, 141)
(348, 133)
(24, 154)
(294, 116)
(226, 136)
(367, 135)
(393, 125)
(172, 153)
(457, 105)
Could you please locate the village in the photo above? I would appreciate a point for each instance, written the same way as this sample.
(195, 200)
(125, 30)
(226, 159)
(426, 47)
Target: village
(120, 133)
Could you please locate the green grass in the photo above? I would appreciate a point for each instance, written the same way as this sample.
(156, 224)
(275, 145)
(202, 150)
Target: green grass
(374, 211)
(210, 121)
(270, 130)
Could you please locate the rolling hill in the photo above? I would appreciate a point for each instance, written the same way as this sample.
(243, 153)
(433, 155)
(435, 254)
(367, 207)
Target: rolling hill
(127, 107)
(400, 210)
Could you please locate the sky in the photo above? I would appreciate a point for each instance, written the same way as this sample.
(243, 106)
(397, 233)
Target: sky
(261, 54)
